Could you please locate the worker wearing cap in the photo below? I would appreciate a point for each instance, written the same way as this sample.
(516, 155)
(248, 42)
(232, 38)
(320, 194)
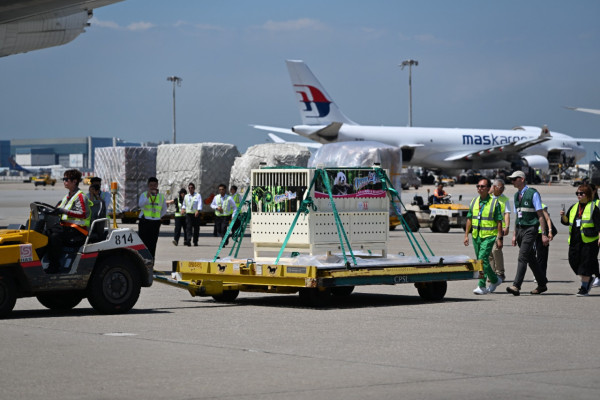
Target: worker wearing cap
(105, 196)
(529, 216)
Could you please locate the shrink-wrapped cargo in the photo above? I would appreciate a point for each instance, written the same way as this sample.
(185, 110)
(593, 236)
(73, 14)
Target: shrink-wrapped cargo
(130, 167)
(207, 165)
(272, 154)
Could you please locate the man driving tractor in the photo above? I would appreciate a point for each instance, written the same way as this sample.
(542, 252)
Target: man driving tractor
(74, 223)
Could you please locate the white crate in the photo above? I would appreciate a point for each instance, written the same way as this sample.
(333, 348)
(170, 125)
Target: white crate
(277, 194)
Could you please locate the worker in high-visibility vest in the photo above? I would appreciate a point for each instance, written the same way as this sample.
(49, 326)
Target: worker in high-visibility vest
(235, 195)
(496, 256)
(153, 206)
(74, 223)
(485, 218)
(224, 207)
(179, 217)
(583, 219)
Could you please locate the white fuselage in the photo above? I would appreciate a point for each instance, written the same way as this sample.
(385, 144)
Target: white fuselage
(436, 147)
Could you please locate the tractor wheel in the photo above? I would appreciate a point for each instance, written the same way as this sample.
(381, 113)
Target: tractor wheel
(227, 296)
(432, 291)
(315, 297)
(8, 295)
(115, 285)
(342, 291)
(60, 301)
(412, 221)
(441, 224)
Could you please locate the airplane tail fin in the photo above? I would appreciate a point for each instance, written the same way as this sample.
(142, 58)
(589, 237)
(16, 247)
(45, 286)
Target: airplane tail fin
(316, 106)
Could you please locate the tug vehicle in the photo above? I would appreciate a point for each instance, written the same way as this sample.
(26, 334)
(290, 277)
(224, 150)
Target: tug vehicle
(108, 269)
(43, 180)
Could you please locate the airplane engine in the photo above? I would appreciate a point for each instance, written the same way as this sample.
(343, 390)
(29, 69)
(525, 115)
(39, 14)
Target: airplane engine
(39, 32)
(537, 162)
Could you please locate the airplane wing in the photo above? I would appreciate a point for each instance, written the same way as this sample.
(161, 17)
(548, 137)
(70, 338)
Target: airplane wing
(277, 139)
(587, 110)
(27, 25)
(274, 129)
(504, 151)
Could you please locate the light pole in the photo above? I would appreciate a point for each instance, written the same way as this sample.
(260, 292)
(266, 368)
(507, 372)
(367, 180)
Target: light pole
(410, 63)
(176, 80)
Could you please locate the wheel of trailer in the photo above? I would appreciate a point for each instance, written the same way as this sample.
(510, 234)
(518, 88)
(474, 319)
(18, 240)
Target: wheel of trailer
(315, 297)
(342, 291)
(60, 301)
(441, 224)
(432, 291)
(227, 296)
(412, 221)
(8, 295)
(115, 285)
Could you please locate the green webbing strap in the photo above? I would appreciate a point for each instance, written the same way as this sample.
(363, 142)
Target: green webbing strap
(338, 222)
(235, 217)
(238, 235)
(387, 185)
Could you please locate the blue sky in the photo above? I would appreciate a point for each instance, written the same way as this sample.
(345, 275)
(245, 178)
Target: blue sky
(481, 65)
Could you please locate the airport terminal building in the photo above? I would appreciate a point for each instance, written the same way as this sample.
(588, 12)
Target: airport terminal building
(68, 152)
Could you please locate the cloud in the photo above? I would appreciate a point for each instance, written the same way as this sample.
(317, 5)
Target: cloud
(300, 24)
(134, 26)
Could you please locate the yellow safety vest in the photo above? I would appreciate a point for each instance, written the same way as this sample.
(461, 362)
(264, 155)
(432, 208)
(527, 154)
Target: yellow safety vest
(483, 221)
(179, 203)
(237, 199)
(586, 222)
(153, 207)
(224, 203)
(67, 205)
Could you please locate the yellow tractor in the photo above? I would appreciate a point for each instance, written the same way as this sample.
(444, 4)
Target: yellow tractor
(109, 269)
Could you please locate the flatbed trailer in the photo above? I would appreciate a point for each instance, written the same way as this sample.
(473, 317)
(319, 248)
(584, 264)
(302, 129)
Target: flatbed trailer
(225, 279)
(321, 227)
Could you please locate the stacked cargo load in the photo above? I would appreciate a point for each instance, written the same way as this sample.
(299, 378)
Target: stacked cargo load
(269, 154)
(207, 165)
(130, 167)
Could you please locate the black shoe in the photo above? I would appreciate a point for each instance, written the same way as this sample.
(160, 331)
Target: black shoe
(195, 244)
(515, 291)
(539, 290)
(582, 292)
(175, 242)
(188, 244)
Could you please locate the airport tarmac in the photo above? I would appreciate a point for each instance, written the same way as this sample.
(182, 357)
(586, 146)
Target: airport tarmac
(382, 342)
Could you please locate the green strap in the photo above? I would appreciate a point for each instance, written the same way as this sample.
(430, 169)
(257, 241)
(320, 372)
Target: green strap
(235, 217)
(387, 185)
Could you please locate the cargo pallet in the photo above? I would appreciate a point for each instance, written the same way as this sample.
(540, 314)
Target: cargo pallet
(322, 262)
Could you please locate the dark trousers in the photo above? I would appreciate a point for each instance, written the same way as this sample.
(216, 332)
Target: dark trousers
(221, 224)
(180, 226)
(526, 241)
(541, 254)
(583, 258)
(59, 238)
(192, 228)
(148, 230)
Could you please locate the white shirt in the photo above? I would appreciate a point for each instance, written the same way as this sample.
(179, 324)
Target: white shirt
(192, 203)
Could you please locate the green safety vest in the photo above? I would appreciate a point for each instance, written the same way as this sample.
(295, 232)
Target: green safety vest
(529, 215)
(483, 221)
(586, 222)
(67, 205)
(179, 203)
(224, 203)
(153, 209)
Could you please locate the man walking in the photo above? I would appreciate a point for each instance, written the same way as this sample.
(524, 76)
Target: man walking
(496, 256)
(153, 206)
(192, 205)
(529, 216)
(224, 207)
(485, 218)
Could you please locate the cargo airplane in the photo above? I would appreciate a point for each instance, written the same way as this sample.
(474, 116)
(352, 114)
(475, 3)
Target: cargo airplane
(448, 149)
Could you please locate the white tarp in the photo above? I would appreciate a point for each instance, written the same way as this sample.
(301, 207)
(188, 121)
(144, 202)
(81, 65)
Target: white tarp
(207, 165)
(130, 167)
